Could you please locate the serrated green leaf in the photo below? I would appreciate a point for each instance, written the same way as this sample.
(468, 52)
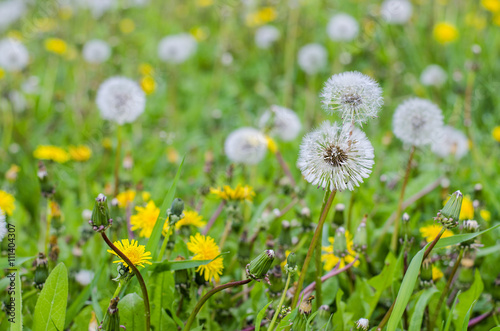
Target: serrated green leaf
(152, 245)
(260, 316)
(50, 309)
(131, 309)
(418, 313)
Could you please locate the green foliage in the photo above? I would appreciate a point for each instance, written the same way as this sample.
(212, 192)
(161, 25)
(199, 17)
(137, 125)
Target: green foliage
(131, 309)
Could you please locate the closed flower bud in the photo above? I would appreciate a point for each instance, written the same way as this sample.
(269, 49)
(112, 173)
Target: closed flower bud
(258, 268)
(305, 306)
(177, 207)
(405, 217)
(340, 243)
(285, 237)
(338, 217)
(360, 238)
(100, 219)
(41, 271)
(123, 273)
(426, 273)
(470, 226)
(182, 281)
(291, 261)
(449, 215)
(276, 280)
(46, 187)
(323, 317)
(111, 321)
(362, 324)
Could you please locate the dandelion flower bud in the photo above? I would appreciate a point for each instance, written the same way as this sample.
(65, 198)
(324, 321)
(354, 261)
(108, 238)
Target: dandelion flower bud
(356, 97)
(177, 207)
(13, 55)
(96, 51)
(120, 100)
(100, 220)
(450, 142)
(246, 145)
(405, 217)
(342, 27)
(41, 271)
(362, 324)
(417, 121)
(266, 35)
(470, 226)
(111, 321)
(291, 263)
(449, 215)
(177, 48)
(312, 58)
(396, 11)
(433, 75)
(340, 243)
(333, 158)
(360, 238)
(305, 307)
(282, 122)
(426, 273)
(258, 268)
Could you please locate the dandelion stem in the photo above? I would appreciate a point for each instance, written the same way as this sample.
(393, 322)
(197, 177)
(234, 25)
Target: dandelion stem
(117, 159)
(214, 217)
(164, 245)
(207, 296)
(397, 219)
(139, 278)
(312, 246)
(285, 168)
(317, 260)
(278, 307)
(446, 289)
(47, 231)
(291, 38)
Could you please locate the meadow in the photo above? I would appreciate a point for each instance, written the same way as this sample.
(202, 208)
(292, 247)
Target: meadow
(249, 165)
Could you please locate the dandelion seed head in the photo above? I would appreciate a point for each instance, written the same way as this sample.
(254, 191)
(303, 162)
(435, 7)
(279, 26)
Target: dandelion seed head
(396, 11)
(84, 277)
(333, 158)
(120, 100)
(356, 97)
(177, 48)
(283, 122)
(312, 58)
(3, 225)
(266, 35)
(433, 75)
(342, 27)
(362, 324)
(450, 141)
(13, 55)
(10, 12)
(417, 121)
(246, 145)
(96, 51)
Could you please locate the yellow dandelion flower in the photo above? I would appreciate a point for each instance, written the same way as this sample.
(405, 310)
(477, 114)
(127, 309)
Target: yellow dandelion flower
(148, 84)
(238, 194)
(485, 214)
(53, 153)
(205, 248)
(198, 33)
(496, 19)
(436, 273)
(283, 263)
(145, 196)
(11, 174)
(430, 232)
(146, 69)
(127, 26)
(80, 153)
(56, 46)
(331, 260)
(55, 210)
(2, 73)
(491, 5)
(145, 219)
(271, 145)
(261, 17)
(445, 33)
(7, 202)
(172, 155)
(136, 253)
(190, 218)
(205, 3)
(496, 133)
(125, 198)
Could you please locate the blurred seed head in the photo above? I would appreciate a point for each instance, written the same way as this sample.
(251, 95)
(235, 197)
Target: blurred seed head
(10, 12)
(396, 11)
(312, 58)
(342, 27)
(281, 122)
(450, 142)
(96, 51)
(433, 75)
(246, 145)
(266, 36)
(362, 324)
(13, 55)
(177, 48)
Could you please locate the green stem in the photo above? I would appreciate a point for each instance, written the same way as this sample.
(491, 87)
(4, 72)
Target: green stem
(278, 307)
(397, 220)
(164, 244)
(207, 296)
(139, 278)
(47, 231)
(291, 38)
(446, 289)
(312, 246)
(118, 159)
(317, 260)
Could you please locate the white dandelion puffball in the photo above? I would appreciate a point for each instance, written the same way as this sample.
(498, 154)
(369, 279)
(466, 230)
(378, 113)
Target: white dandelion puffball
(266, 35)
(10, 12)
(84, 277)
(13, 55)
(246, 145)
(331, 158)
(362, 324)
(450, 141)
(96, 51)
(342, 27)
(417, 121)
(120, 100)
(312, 58)
(3, 225)
(396, 11)
(433, 75)
(283, 122)
(356, 97)
(177, 48)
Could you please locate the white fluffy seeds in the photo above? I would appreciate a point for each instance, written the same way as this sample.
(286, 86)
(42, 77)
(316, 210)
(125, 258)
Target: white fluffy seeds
(96, 51)
(450, 141)
(3, 225)
(433, 75)
(246, 145)
(13, 55)
(312, 58)
(396, 11)
(266, 35)
(342, 27)
(282, 122)
(177, 48)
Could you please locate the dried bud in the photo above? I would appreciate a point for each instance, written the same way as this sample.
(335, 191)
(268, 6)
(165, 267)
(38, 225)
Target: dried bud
(41, 271)
(305, 306)
(111, 321)
(100, 219)
(449, 215)
(258, 268)
(362, 324)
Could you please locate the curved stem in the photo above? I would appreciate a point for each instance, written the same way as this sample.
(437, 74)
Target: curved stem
(278, 307)
(214, 217)
(285, 167)
(324, 212)
(207, 296)
(139, 278)
(397, 219)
